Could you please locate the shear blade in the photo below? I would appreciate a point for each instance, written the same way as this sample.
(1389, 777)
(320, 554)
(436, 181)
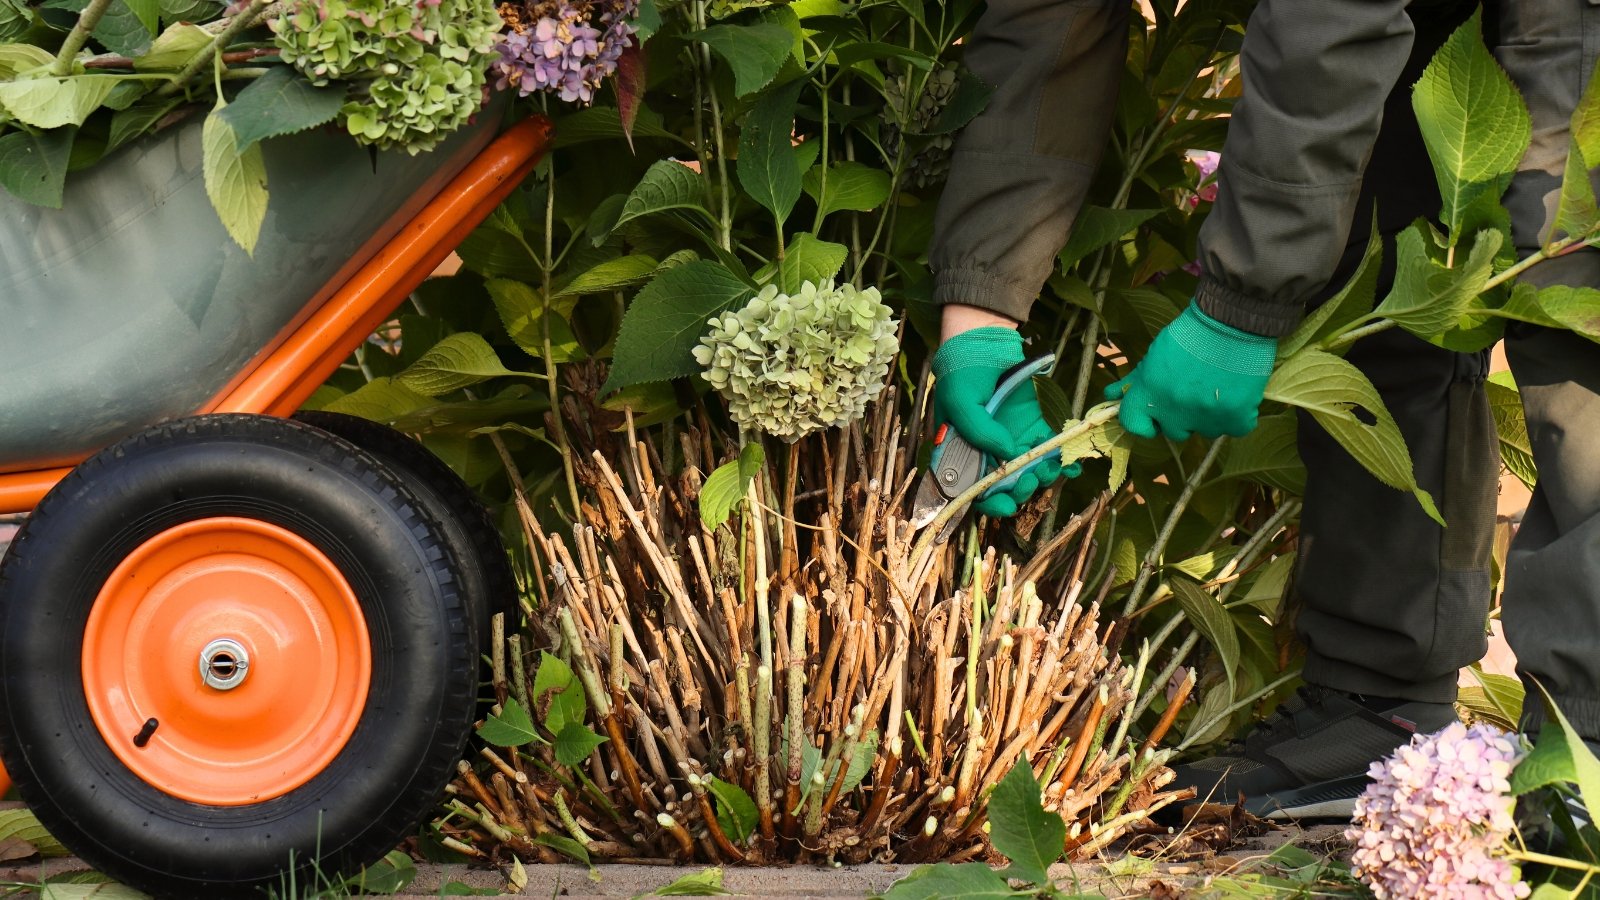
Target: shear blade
(928, 502)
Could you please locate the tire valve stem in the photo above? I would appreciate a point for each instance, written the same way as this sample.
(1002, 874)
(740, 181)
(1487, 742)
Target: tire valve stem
(143, 737)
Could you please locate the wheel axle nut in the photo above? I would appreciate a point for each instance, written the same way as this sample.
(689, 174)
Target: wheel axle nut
(224, 663)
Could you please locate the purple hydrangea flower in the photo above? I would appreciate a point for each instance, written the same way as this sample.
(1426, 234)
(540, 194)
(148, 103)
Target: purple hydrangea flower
(569, 53)
(1435, 820)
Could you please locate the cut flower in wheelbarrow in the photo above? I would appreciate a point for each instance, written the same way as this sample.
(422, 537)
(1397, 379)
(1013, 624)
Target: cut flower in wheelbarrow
(80, 80)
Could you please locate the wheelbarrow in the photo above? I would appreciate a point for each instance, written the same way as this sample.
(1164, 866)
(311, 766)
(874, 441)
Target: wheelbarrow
(237, 646)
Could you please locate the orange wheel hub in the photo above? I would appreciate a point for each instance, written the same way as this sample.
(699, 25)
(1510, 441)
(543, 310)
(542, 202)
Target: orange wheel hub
(226, 661)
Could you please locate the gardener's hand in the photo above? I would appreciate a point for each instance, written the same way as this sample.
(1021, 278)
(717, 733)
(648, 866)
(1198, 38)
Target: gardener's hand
(1200, 376)
(967, 368)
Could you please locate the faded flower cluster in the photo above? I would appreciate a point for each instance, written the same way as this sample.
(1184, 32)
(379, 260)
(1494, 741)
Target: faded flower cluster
(932, 162)
(417, 66)
(791, 364)
(564, 47)
(1435, 820)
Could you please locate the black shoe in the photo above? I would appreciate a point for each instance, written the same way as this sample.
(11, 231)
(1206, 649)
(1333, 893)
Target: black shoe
(1309, 760)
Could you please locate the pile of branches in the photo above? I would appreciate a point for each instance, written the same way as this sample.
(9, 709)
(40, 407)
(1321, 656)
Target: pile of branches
(795, 683)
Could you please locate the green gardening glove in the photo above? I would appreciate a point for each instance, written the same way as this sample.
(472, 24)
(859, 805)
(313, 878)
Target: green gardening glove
(966, 369)
(1199, 376)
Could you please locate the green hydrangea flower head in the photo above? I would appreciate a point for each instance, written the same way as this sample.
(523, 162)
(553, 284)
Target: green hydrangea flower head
(416, 67)
(791, 364)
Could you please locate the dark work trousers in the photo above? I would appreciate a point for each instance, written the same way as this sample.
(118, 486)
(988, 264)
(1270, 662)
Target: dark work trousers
(1392, 605)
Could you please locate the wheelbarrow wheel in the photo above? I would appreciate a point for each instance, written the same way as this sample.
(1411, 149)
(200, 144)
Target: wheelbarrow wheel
(233, 650)
(487, 581)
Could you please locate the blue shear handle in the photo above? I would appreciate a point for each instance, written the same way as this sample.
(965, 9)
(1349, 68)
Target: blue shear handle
(1019, 376)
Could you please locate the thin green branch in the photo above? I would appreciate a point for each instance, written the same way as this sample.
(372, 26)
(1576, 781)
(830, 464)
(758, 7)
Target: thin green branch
(1152, 559)
(235, 27)
(1096, 417)
(87, 22)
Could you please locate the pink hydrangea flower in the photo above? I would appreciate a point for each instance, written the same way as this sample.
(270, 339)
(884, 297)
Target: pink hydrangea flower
(1206, 162)
(569, 54)
(1435, 821)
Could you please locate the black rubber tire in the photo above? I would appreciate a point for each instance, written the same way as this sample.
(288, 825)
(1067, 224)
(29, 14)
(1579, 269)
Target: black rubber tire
(420, 702)
(486, 577)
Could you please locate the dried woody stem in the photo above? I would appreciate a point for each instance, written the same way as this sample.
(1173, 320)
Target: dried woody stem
(881, 636)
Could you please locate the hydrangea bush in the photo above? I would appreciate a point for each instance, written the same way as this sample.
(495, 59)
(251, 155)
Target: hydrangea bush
(1436, 819)
(791, 364)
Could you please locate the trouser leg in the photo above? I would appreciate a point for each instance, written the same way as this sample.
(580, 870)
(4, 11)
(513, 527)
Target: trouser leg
(1022, 168)
(1390, 604)
(1552, 595)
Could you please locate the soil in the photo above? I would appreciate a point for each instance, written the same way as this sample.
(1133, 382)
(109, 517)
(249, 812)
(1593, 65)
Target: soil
(1171, 878)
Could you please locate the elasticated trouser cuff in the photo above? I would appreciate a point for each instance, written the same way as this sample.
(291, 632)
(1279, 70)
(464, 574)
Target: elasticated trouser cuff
(1256, 315)
(985, 290)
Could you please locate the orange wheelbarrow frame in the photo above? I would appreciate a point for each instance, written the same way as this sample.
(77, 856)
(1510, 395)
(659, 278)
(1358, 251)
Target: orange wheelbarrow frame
(306, 353)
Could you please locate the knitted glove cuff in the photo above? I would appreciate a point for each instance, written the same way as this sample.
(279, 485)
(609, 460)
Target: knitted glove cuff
(993, 347)
(1223, 346)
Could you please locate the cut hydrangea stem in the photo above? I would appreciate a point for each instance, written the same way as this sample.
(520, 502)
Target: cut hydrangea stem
(958, 506)
(235, 27)
(87, 22)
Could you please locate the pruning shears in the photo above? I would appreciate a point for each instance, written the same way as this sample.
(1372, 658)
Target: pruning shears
(957, 465)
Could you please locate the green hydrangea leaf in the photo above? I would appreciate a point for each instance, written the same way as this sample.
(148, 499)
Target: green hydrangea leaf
(17, 58)
(1576, 212)
(971, 97)
(1575, 308)
(705, 883)
(135, 121)
(574, 743)
(1021, 828)
(755, 52)
(1269, 455)
(598, 123)
(610, 275)
(511, 728)
(1332, 389)
(458, 361)
(125, 27)
(736, 812)
(563, 844)
(1429, 299)
(15, 18)
(667, 318)
(33, 167)
(943, 881)
(1098, 226)
(236, 181)
(522, 311)
(558, 692)
(725, 487)
(1353, 301)
(390, 875)
(53, 102)
(380, 400)
(1473, 120)
(23, 825)
(1511, 425)
(1211, 619)
(846, 186)
(281, 102)
(866, 753)
(809, 259)
(667, 184)
(766, 158)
